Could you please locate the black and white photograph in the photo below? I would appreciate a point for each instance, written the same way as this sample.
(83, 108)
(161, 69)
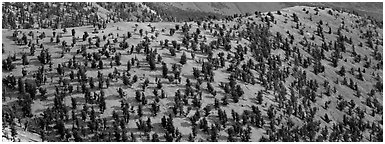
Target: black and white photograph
(205, 71)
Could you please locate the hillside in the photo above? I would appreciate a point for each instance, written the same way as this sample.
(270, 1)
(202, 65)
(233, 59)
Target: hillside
(20, 15)
(225, 8)
(373, 9)
(297, 74)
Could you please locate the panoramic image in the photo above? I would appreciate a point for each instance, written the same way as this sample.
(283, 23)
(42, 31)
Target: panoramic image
(192, 72)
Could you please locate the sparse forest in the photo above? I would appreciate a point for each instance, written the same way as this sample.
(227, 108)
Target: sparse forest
(126, 72)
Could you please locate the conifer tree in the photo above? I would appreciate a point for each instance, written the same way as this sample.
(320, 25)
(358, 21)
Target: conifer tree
(259, 97)
(183, 59)
(164, 70)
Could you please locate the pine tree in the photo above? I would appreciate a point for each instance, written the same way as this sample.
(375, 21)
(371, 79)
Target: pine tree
(31, 88)
(216, 103)
(129, 34)
(360, 75)
(7, 64)
(101, 64)
(213, 134)
(358, 93)
(140, 110)
(196, 72)
(25, 59)
(295, 18)
(21, 85)
(126, 80)
(138, 95)
(141, 32)
(159, 85)
(135, 79)
(159, 58)
(270, 112)
(342, 71)
(224, 100)
(183, 59)
(190, 138)
(155, 138)
(14, 132)
(172, 51)
(128, 65)
(326, 117)
(164, 70)
(172, 31)
(152, 64)
(73, 103)
(235, 96)
(239, 90)
(259, 97)
(210, 88)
